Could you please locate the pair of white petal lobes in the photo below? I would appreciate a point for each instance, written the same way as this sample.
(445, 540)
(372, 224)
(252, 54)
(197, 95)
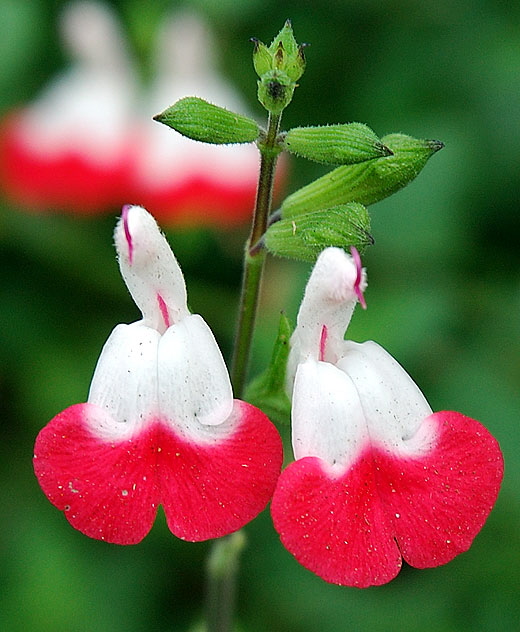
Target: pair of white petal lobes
(366, 399)
(178, 378)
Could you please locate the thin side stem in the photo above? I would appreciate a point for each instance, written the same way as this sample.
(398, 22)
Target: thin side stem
(222, 571)
(254, 258)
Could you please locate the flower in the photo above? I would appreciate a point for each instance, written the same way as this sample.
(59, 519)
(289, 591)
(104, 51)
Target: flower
(72, 148)
(88, 142)
(378, 477)
(160, 425)
(194, 182)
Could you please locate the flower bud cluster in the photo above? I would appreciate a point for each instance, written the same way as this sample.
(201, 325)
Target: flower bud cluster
(279, 67)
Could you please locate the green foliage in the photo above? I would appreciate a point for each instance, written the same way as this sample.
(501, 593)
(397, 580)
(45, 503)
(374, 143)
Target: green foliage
(267, 391)
(335, 144)
(199, 120)
(367, 182)
(307, 234)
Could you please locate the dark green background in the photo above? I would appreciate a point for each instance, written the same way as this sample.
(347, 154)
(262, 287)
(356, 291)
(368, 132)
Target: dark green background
(443, 297)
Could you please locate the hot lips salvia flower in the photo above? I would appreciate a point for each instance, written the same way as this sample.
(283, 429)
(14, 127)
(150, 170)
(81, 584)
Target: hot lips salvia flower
(160, 425)
(378, 476)
(88, 142)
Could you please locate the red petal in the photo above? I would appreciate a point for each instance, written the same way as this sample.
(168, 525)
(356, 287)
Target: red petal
(345, 529)
(444, 499)
(336, 528)
(66, 182)
(211, 490)
(111, 491)
(107, 490)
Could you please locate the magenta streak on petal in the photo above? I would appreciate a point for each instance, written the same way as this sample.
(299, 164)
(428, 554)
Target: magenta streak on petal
(323, 342)
(128, 236)
(164, 310)
(357, 283)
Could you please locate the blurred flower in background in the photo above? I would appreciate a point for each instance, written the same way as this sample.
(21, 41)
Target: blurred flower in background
(88, 143)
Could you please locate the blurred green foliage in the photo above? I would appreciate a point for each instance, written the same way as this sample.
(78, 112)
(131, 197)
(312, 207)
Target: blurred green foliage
(443, 298)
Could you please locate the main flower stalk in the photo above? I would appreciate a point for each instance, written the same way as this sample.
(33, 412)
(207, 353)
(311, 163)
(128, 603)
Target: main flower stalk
(254, 258)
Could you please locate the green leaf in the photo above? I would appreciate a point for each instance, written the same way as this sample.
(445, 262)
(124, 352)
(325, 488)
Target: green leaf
(335, 144)
(199, 120)
(367, 182)
(267, 391)
(305, 235)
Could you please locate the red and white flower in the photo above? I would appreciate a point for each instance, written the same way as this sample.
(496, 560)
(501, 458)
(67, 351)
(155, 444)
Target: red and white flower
(71, 149)
(88, 142)
(160, 425)
(177, 178)
(378, 477)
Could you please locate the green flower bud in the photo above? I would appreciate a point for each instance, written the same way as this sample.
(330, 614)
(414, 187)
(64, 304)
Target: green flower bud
(305, 235)
(367, 182)
(275, 91)
(199, 120)
(279, 66)
(335, 144)
(267, 391)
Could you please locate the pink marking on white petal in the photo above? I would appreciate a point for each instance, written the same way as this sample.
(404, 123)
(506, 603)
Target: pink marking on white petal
(111, 490)
(352, 530)
(164, 310)
(323, 343)
(359, 273)
(128, 236)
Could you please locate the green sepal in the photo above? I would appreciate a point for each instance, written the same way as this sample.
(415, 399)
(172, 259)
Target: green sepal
(262, 58)
(287, 54)
(367, 182)
(305, 235)
(199, 120)
(335, 144)
(275, 91)
(267, 391)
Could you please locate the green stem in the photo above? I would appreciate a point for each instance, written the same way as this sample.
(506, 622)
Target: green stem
(222, 571)
(254, 258)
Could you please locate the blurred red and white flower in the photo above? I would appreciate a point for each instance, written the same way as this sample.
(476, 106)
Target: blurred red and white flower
(378, 477)
(88, 143)
(160, 426)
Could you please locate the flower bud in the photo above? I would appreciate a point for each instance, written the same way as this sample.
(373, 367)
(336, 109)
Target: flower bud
(199, 120)
(335, 144)
(279, 66)
(305, 235)
(367, 182)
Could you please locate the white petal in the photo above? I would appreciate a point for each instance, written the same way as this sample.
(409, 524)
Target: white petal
(150, 269)
(125, 380)
(194, 385)
(327, 417)
(329, 300)
(394, 406)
